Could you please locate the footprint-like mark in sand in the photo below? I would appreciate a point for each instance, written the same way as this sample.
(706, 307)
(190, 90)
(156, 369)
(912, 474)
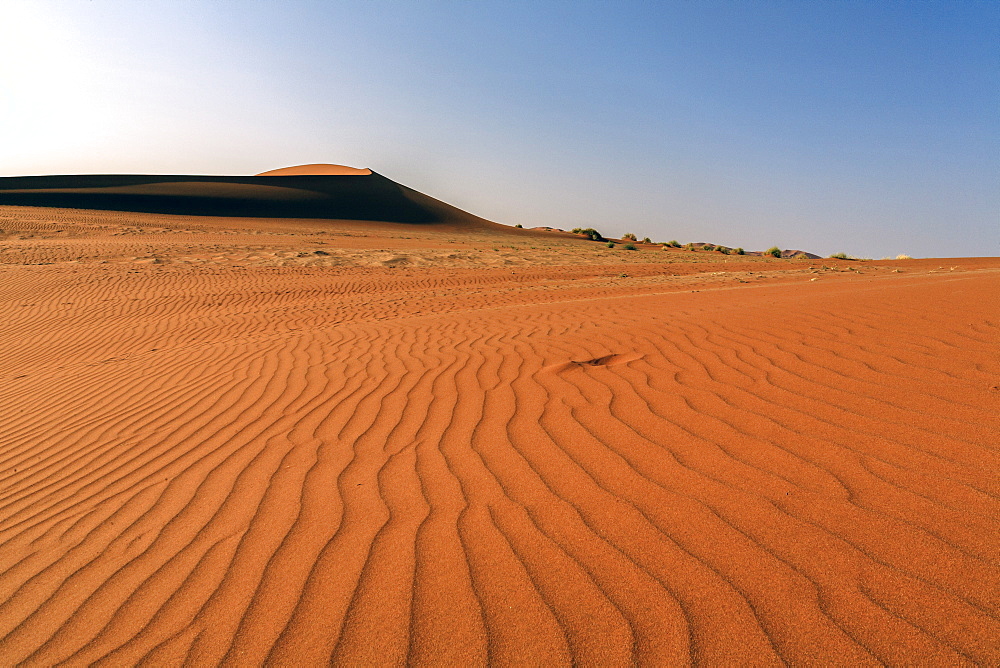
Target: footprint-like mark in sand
(612, 359)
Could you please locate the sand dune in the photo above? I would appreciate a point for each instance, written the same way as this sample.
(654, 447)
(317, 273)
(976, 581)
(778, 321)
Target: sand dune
(308, 191)
(246, 453)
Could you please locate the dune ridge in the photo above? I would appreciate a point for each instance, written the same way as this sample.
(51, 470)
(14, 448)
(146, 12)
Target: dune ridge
(317, 170)
(210, 459)
(338, 193)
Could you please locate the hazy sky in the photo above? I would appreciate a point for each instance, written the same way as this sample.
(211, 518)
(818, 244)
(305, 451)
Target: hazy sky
(865, 127)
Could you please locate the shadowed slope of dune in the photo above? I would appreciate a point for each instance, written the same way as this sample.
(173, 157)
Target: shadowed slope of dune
(288, 193)
(239, 465)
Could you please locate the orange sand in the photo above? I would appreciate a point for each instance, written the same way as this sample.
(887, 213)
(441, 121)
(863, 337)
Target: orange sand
(243, 441)
(317, 170)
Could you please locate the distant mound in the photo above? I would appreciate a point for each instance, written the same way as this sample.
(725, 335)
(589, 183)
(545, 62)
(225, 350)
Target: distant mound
(799, 254)
(332, 192)
(317, 170)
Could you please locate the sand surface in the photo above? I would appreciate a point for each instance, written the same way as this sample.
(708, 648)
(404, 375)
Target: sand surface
(229, 441)
(316, 170)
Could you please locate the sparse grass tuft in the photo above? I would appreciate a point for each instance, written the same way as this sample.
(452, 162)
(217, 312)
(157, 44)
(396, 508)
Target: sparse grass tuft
(841, 256)
(903, 256)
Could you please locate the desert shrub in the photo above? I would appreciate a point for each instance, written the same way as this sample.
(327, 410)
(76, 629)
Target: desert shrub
(519, 226)
(722, 249)
(903, 256)
(589, 232)
(646, 240)
(841, 256)
(774, 251)
(611, 244)
(740, 251)
(708, 247)
(630, 247)
(689, 246)
(628, 235)
(673, 243)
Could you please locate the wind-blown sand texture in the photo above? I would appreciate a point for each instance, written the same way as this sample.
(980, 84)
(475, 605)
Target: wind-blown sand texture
(247, 441)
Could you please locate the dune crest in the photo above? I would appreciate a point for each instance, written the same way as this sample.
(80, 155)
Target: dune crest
(317, 170)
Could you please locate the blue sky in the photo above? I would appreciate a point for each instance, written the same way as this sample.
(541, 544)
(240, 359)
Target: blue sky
(865, 127)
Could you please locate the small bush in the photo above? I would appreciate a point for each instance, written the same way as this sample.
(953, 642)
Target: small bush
(903, 256)
(722, 249)
(630, 247)
(646, 240)
(589, 232)
(689, 246)
(708, 247)
(628, 235)
(519, 226)
(841, 256)
(611, 244)
(674, 243)
(740, 251)
(773, 250)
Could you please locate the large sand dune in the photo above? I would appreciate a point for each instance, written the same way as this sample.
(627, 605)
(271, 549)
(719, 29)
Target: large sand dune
(248, 441)
(307, 191)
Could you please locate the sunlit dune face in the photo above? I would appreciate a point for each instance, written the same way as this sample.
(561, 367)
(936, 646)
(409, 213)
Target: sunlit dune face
(317, 170)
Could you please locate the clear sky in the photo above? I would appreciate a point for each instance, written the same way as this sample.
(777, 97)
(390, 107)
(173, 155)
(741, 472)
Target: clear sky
(866, 127)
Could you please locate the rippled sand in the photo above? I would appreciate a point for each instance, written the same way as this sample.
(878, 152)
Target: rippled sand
(236, 441)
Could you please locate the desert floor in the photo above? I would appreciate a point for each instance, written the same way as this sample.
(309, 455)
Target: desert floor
(246, 441)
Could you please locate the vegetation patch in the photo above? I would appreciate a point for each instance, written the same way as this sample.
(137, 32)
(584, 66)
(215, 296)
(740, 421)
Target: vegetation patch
(589, 232)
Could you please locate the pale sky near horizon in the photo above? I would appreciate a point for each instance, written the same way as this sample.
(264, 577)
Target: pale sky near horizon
(871, 128)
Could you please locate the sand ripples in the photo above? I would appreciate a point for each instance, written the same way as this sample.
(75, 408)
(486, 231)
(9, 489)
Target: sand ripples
(294, 473)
